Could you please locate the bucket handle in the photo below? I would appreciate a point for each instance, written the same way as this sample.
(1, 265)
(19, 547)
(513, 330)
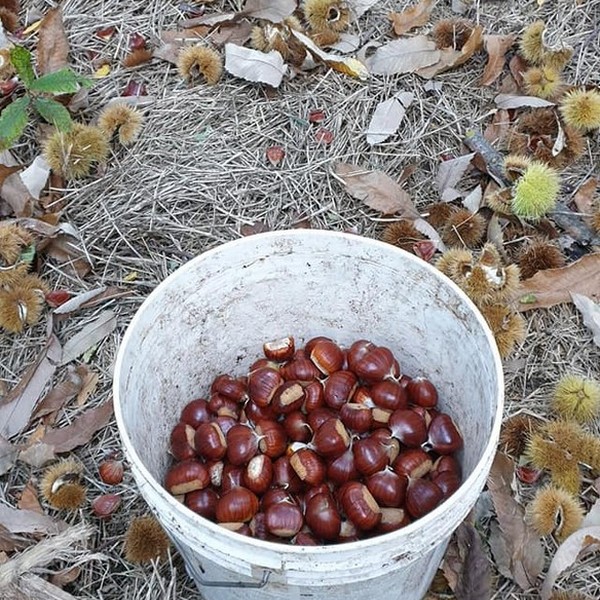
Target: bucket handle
(235, 584)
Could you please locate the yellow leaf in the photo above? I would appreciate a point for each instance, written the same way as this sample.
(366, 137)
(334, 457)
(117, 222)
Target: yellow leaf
(32, 28)
(103, 71)
(130, 276)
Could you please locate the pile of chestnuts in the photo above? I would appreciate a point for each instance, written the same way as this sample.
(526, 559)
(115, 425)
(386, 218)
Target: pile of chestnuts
(316, 445)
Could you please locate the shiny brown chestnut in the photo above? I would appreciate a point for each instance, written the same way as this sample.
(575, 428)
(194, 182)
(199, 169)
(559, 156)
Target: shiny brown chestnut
(262, 385)
(284, 519)
(362, 395)
(203, 502)
(359, 505)
(408, 427)
(422, 496)
(301, 369)
(313, 396)
(215, 470)
(196, 412)
(275, 496)
(376, 365)
(240, 528)
(296, 427)
(228, 386)
(356, 417)
(224, 407)
(357, 351)
(331, 439)
(258, 474)
(317, 417)
(288, 397)
(242, 444)
(342, 468)
(381, 417)
(323, 517)
(392, 519)
(231, 477)
(225, 423)
(390, 444)
(308, 347)
(422, 392)
(255, 413)
(285, 477)
(339, 388)
(272, 438)
(413, 462)
(327, 356)
(444, 463)
(443, 435)
(448, 482)
(305, 538)
(258, 526)
(182, 445)
(389, 394)
(308, 466)
(387, 487)
(369, 456)
(280, 350)
(210, 441)
(238, 505)
(186, 476)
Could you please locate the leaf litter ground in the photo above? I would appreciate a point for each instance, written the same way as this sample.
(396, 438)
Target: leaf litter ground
(199, 175)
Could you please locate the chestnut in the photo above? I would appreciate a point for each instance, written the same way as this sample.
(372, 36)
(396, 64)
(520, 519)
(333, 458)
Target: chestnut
(241, 528)
(443, 436)
(444, 463)
(338, 389)
(262, 385)
(357, 351)
(296, 427)
(313, 396)
(362, 395)
(331, 439)
(285, 477)
(203, 502)
(422, 392)
(272, 438)
(210, 441)
(381, 417)
(323, 517)
(225, 423)
(261, 363)
(389, 394)
(238, 505)
(322, 488)
(274, 496)
(242, 444)
(182, 441)
(318, 416)
(196, 412)
(279, 350)
(258, 526)
(288, 397)
(305, 538)
(448, 482)
(390, 444)
(327, 356)
(308, 347)
(231, 477)
(408, 427)
(376, 365)
(413, 462)
(342, 469)
(284, 519)
(228, 386)
(422, 497)
(387, 487)
(356, 417)
(359, 505)
(255, 413)
(215, 470)
(308, 466)
(224, 407)
(392, 519)
(369, 456)
(301, 369)
(258, 474)
(187, 476)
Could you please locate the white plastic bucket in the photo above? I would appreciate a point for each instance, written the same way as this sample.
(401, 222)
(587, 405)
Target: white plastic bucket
(213, 315)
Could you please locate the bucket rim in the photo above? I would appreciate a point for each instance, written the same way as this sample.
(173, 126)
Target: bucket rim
(287, 549)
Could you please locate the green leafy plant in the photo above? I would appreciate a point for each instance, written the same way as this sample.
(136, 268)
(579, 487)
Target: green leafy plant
(39, 92)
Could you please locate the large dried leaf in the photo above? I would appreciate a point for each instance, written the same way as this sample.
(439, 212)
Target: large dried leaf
(53, 46)
(387, 117)
(81, 430)
(15, 193)
(450, 58)
(65, 248)
(35, 176)
(8, 455)
(585, 195)
(523, 545)
(411, 17)
(405, 55)
(590, 311)
(555, 286)
(344, 64)
(89, 336)
(450, 173)
(38, 455)
(576, 546)
(253, 65)
(28, 500)
(496, 46)
(377, 190)
(18, 404)
(90, 299)
(28, 521)
(509, 101)
(359, 7)
(474, 576)
(270, 10)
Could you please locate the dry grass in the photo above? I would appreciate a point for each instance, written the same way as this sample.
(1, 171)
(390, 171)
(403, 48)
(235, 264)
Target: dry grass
(198, 173)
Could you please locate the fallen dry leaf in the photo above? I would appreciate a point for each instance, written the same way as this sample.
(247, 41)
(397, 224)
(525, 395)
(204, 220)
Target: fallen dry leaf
(18, 404)
(497, 130)
(496, 46)
(359, 7)
(62, 244)
(81, 430)
(411, 17)
(590, 311)
(270, 10)
(90, 299)
(555, 286)
(577, 545)
(90, 382)
(16, 520)
(89, 336)
(405, 55)
(449, 174)
(523, 545)
(8, 455)
(28, 500)
(451, 58)
(387, 117)
(344, 64)
(427, 229)
(65, 576)
(254, 228)
(510, 101)
(52, 46)
(15, 193)
(585, 195)
(253, 65)
(35, 176)
(37, 455)
(593, 517)
(377, 190)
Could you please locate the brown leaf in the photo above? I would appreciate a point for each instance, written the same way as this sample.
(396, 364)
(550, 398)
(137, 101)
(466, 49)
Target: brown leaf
(377, 190)
(497, 130)
(509, 101)
(29, 499)
(524, 546)
(65, 249)
(450, 173)
(89, 336)
(81, 430)
(90, 382)
(65, 576)
(590, 312)
(18, 404)
(554, 286)
(52, 46)
(8, 455)
(256, 227)
(16, 520)
(37, 455)
(585, 194)
(450, 58)
(405, 55)
(576, 546)
(496, 46)
(414, 16)
(474, 577)
(270, 10)
(14, 191)
(91, 298)
(518, 66)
